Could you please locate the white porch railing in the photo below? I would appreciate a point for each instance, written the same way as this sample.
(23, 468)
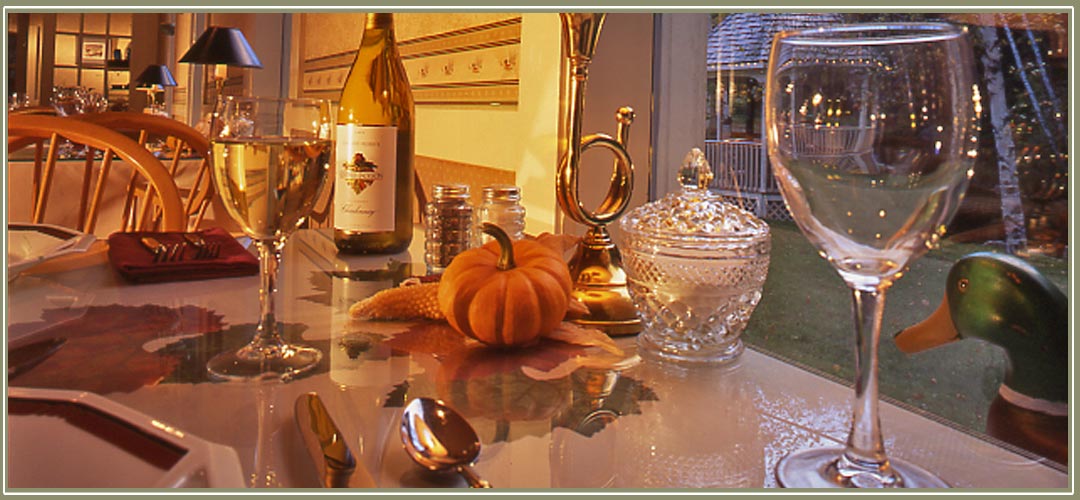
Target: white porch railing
(818, 141)
(742, 175)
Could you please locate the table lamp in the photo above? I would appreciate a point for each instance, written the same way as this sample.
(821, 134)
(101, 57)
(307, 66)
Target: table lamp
(152, 80)
(219, 45)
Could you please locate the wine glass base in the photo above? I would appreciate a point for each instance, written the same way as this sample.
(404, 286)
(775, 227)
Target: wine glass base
(249, 363)
(816, 468)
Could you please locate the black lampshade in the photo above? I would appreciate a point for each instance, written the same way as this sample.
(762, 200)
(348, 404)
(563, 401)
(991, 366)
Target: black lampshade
(155, 74)
(219, 45)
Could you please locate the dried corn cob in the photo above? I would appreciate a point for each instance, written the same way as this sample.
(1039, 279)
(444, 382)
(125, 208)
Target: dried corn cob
(408, 301)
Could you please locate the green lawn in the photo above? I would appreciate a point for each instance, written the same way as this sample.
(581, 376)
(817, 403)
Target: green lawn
(805, 316)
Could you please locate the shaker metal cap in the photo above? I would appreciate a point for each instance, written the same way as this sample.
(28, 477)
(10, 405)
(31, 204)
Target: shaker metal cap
(501, 192)
(693, 212)
(448, 191)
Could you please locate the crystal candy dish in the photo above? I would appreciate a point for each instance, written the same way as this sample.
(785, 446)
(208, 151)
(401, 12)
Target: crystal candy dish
(695, 266)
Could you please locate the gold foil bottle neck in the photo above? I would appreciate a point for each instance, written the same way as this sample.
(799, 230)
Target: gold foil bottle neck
(379, 20)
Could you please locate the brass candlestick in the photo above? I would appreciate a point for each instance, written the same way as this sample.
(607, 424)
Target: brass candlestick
(599, 278)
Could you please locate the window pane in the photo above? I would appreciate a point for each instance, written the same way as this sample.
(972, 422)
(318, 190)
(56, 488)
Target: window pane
(95, 23)
(93, 80)
(118, 48)
(66, 48)
(66, 77)
(118, 81)
(120, 24)
(1017, 203)
(69, 23)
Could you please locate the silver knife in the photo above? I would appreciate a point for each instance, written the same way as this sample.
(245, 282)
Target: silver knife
(336, 464)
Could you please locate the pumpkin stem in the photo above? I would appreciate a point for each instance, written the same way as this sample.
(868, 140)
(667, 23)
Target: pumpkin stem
(506, 246)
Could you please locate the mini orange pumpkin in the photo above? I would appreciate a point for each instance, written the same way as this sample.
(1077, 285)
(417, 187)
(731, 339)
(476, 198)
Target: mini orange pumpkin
(505, 293)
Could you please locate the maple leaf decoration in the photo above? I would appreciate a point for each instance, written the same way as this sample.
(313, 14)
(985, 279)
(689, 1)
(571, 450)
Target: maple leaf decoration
(429, 337)
(555, 355)
(105, 352)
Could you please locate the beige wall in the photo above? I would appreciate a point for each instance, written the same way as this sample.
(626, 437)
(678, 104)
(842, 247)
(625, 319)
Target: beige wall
(263, 32)
(521, 138)
(620, 75)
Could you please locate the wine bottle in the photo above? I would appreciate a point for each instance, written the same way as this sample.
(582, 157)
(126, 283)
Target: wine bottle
(373, 184)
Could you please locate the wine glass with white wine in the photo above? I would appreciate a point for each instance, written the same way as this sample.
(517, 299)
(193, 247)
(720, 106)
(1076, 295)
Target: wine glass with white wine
(270, 162)
(871, 135)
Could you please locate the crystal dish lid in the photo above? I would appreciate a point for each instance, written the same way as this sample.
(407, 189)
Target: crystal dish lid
(693, 213)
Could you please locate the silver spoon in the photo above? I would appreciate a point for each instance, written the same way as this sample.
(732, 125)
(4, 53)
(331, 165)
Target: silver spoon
(439, 438)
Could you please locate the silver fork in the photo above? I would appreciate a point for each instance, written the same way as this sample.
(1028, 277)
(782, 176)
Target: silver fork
(154, 247)
(203, 248)
(200, 245)
(163, 252)
(213, 249)
(174, 252)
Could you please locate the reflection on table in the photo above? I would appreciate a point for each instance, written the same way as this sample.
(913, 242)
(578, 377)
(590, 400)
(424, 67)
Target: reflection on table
(630, 423)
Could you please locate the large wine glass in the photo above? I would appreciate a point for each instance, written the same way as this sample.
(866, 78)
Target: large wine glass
(871, 133)
(270, 161)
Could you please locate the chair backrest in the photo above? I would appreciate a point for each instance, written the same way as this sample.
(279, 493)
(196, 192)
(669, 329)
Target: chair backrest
(187, 152)
(34, 110)
(150, 201)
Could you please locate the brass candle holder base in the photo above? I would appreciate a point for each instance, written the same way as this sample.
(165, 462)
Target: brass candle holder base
(600, 284)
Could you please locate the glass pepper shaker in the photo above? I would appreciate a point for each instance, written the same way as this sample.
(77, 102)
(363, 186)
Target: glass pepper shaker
(448, 225)
(502, 206)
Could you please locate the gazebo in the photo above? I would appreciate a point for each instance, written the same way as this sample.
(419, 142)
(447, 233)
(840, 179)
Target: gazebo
(738, 55)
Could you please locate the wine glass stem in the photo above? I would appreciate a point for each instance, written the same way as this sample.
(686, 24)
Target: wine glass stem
(865, 451)
(267, 337)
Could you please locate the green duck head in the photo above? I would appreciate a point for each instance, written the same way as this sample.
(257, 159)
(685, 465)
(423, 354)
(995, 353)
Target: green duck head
(1007, 302)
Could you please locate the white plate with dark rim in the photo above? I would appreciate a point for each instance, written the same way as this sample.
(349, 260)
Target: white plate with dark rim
(72, 439)
(32, 244)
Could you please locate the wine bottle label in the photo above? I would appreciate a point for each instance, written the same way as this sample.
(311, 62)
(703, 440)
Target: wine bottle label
(365, 178)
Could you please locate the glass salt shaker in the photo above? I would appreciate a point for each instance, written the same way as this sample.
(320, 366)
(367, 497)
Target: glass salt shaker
(449, 220)
(502, 206)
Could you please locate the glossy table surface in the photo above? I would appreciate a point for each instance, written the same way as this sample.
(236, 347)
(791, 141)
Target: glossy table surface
(618, 421)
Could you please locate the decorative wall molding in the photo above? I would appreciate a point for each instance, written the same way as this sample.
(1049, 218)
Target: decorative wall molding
(473, 65)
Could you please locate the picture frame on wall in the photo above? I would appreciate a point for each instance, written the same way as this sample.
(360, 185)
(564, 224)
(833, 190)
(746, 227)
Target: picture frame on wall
(93, 51)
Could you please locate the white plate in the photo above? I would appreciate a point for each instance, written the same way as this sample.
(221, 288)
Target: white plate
(71, 439)
(31, 244)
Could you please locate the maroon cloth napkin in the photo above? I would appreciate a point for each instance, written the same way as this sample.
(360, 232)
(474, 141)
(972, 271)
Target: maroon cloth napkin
(136, 263)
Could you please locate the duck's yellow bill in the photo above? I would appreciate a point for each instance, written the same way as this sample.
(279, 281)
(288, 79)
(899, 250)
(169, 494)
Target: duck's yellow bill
(935, 330)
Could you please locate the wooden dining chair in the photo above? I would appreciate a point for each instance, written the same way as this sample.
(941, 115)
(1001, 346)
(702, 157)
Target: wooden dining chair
(181, 146)
(153, 191)
(34, 110)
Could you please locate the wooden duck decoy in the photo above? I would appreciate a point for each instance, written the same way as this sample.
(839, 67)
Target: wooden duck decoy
(1007, 302)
